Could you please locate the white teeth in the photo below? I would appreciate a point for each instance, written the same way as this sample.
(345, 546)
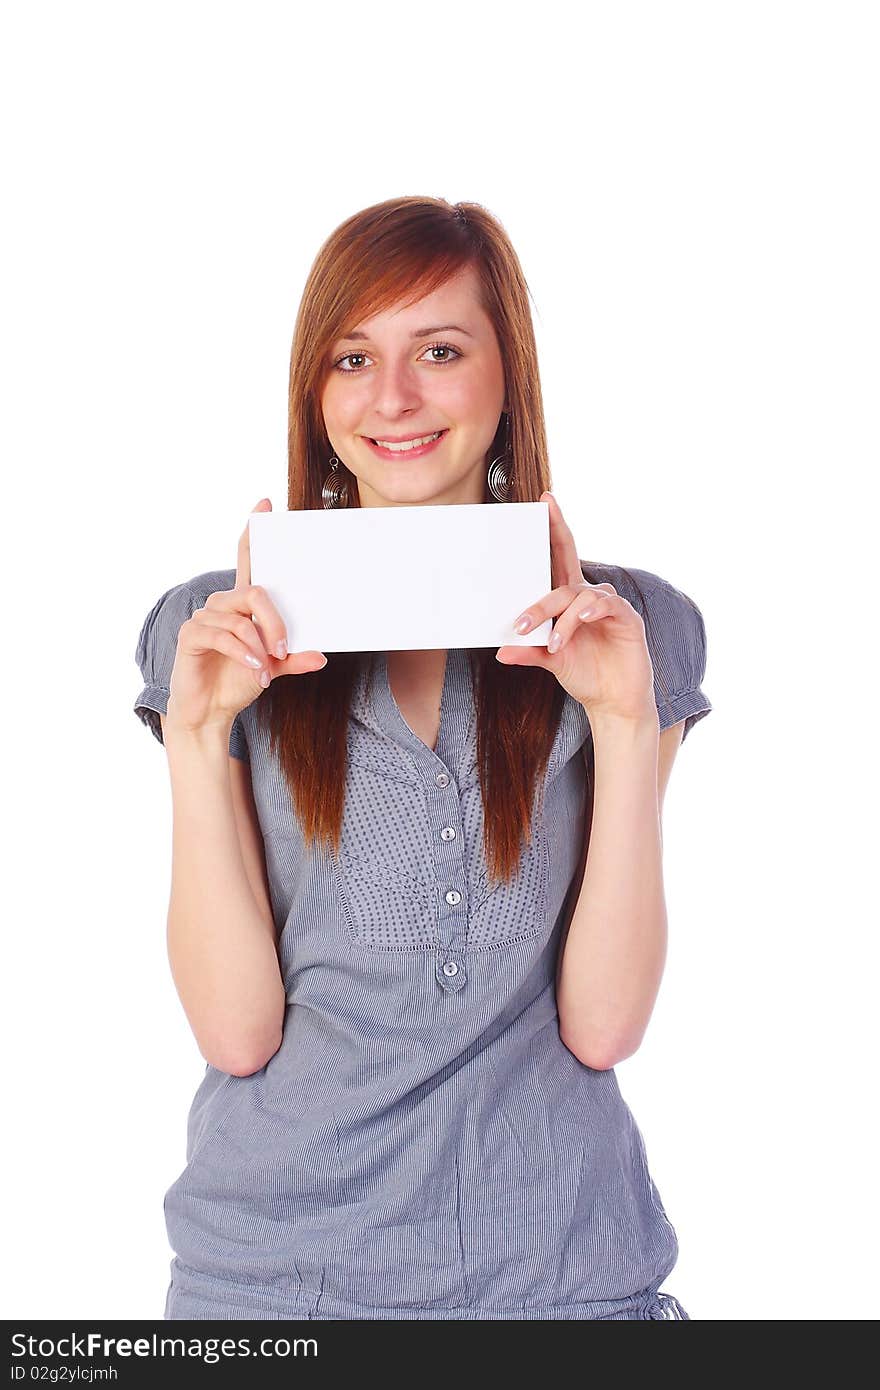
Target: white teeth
(409, 443)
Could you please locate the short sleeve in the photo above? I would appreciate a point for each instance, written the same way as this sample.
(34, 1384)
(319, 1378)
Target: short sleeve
(676, 636)
(157, 648)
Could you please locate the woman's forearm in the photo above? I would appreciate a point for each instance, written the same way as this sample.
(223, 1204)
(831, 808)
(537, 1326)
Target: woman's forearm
(615, 951)
(222, 950)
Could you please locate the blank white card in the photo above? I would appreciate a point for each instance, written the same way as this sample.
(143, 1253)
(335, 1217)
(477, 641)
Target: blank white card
(397, 578)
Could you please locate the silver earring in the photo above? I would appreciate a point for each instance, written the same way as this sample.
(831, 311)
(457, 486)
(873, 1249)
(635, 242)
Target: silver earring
(500, 477)
(334, 493)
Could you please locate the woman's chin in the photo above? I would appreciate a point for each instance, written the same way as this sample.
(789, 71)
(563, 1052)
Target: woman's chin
(420, 486)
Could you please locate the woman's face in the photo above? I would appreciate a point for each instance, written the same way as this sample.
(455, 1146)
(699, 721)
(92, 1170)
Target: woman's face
(407, 372)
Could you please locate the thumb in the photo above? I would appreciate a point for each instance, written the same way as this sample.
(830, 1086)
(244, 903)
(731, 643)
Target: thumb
(521, 656)
(289, 665)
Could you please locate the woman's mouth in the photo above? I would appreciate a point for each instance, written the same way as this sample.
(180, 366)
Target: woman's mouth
(411, 449)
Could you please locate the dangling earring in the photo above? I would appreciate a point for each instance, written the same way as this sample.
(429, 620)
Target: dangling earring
(500, 478)
(334, 493)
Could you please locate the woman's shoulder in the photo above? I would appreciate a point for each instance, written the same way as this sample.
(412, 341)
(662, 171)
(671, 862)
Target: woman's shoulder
(199, 586)
(179, 601)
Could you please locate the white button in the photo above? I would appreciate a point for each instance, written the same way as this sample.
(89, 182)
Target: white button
(442, 779)
(447, 833)
(453, 896)
(450, 968)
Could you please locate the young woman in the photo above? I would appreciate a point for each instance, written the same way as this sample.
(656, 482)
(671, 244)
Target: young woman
(409, 981)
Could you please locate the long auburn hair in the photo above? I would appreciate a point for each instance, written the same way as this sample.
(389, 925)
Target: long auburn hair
(396, 252)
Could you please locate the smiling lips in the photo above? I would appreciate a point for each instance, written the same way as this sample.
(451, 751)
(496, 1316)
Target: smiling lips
(412, 448)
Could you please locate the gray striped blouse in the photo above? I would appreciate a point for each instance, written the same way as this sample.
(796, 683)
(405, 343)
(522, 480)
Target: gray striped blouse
(423, 1144)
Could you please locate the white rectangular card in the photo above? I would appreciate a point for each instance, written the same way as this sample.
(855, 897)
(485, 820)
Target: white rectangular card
(397, 578)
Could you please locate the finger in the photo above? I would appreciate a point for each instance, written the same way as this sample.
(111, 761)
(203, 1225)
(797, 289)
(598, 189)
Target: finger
(550, 606)
(212, 631)
(255, 604)
(600, 604)
(243, 566)
(603, 602)
(564, 563)
(249, 648)
(241, 627)
(524, 656)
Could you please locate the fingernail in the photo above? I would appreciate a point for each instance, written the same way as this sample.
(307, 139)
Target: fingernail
(522, 624)
(555, 642)
(264, 678)
(281, 649)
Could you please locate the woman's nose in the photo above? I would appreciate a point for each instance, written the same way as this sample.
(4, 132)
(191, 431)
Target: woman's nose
(396, 389)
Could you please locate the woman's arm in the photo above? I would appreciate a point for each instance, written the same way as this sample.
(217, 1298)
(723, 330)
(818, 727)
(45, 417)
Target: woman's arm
(222, 942)
(615, 950)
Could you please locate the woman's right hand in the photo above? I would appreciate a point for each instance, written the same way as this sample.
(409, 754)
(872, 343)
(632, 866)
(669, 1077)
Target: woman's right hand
(224, 658)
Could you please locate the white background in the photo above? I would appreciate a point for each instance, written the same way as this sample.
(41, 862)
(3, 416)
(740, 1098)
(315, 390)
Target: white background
(692, 191)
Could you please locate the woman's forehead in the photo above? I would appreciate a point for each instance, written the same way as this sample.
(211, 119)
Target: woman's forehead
(456, 301)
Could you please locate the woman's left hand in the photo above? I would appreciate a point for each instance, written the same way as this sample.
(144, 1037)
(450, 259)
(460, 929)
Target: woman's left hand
(602, 659)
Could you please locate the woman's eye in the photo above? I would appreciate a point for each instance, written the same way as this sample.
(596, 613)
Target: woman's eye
(442, 347)
(347, 358)
(362, 356)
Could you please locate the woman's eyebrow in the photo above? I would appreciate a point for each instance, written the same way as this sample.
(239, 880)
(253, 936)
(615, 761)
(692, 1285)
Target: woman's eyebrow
(416, 333)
